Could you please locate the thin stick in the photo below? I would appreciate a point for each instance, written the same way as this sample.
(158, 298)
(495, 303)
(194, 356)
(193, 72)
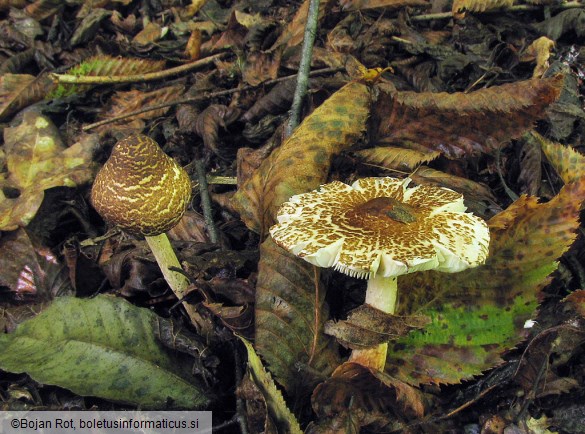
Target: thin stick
(304, 67)
(514, 8)
(206, 201)
(203, 97)
(115, 79)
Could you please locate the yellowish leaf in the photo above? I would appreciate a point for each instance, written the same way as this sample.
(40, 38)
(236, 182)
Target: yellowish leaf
(302, 162)
(539, 51)
(37, 160)
(569, 164)
(399, 159)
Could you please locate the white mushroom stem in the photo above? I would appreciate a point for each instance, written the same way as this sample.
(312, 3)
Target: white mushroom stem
(166, 258)
(382, 293)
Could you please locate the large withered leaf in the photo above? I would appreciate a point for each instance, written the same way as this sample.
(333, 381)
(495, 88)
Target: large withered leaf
(290, 314)
(480, 313)
(302, 163)
(563, 22)
(461, 124)
(38, 160)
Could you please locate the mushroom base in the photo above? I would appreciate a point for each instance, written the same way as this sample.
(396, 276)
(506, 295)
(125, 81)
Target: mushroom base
(382, 293)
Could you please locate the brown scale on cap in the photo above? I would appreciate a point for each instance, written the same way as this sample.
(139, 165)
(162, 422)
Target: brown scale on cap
(140, 188)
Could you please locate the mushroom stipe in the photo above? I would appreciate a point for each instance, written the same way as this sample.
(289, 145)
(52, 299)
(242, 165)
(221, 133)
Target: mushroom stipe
(145, 192)
(379, 229)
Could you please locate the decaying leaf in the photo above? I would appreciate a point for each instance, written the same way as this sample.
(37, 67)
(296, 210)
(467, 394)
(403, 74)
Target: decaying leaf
(77, 343)
(290, 314)
(29, 269)
(292, 35)
(302, 163)
(276, 101)
(577, 301)
(399, 159)
(479, 5)
(354, 5)
(569, 164)
(530, 165)
(478, 197)
(460, 124)
(123, 102)
(538, 371)
(479, 313)
(20, 90)
(377, 400)
(281, 416)
(210, 121)
(103, 65)
(563, 22)
(539, 51)
(37, 160)
(367, 326)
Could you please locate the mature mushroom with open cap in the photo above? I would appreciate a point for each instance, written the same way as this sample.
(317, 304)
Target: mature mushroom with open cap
(378, 229)
(145, 192)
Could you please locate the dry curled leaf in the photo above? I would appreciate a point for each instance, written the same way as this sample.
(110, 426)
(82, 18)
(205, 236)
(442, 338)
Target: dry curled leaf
(209, 122)
(367, 326)
(539, 51)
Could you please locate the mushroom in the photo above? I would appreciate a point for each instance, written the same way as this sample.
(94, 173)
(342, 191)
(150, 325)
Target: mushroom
(145, 192)
(379, 229)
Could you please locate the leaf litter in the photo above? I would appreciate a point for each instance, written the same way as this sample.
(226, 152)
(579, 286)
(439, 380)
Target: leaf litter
(484, 98)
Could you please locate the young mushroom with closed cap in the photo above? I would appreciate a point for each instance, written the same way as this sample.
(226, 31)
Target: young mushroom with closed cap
(145, 192)
(379, 229)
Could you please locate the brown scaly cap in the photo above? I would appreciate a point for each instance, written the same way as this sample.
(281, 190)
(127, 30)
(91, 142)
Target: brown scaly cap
(140, 188)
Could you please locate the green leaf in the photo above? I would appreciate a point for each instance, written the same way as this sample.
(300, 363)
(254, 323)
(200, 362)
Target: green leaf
(101, 347)
(480, 313)
(282, 417)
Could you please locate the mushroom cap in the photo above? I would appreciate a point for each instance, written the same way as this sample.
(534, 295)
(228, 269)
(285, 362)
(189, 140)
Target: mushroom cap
(381, 227)
(140, 188)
